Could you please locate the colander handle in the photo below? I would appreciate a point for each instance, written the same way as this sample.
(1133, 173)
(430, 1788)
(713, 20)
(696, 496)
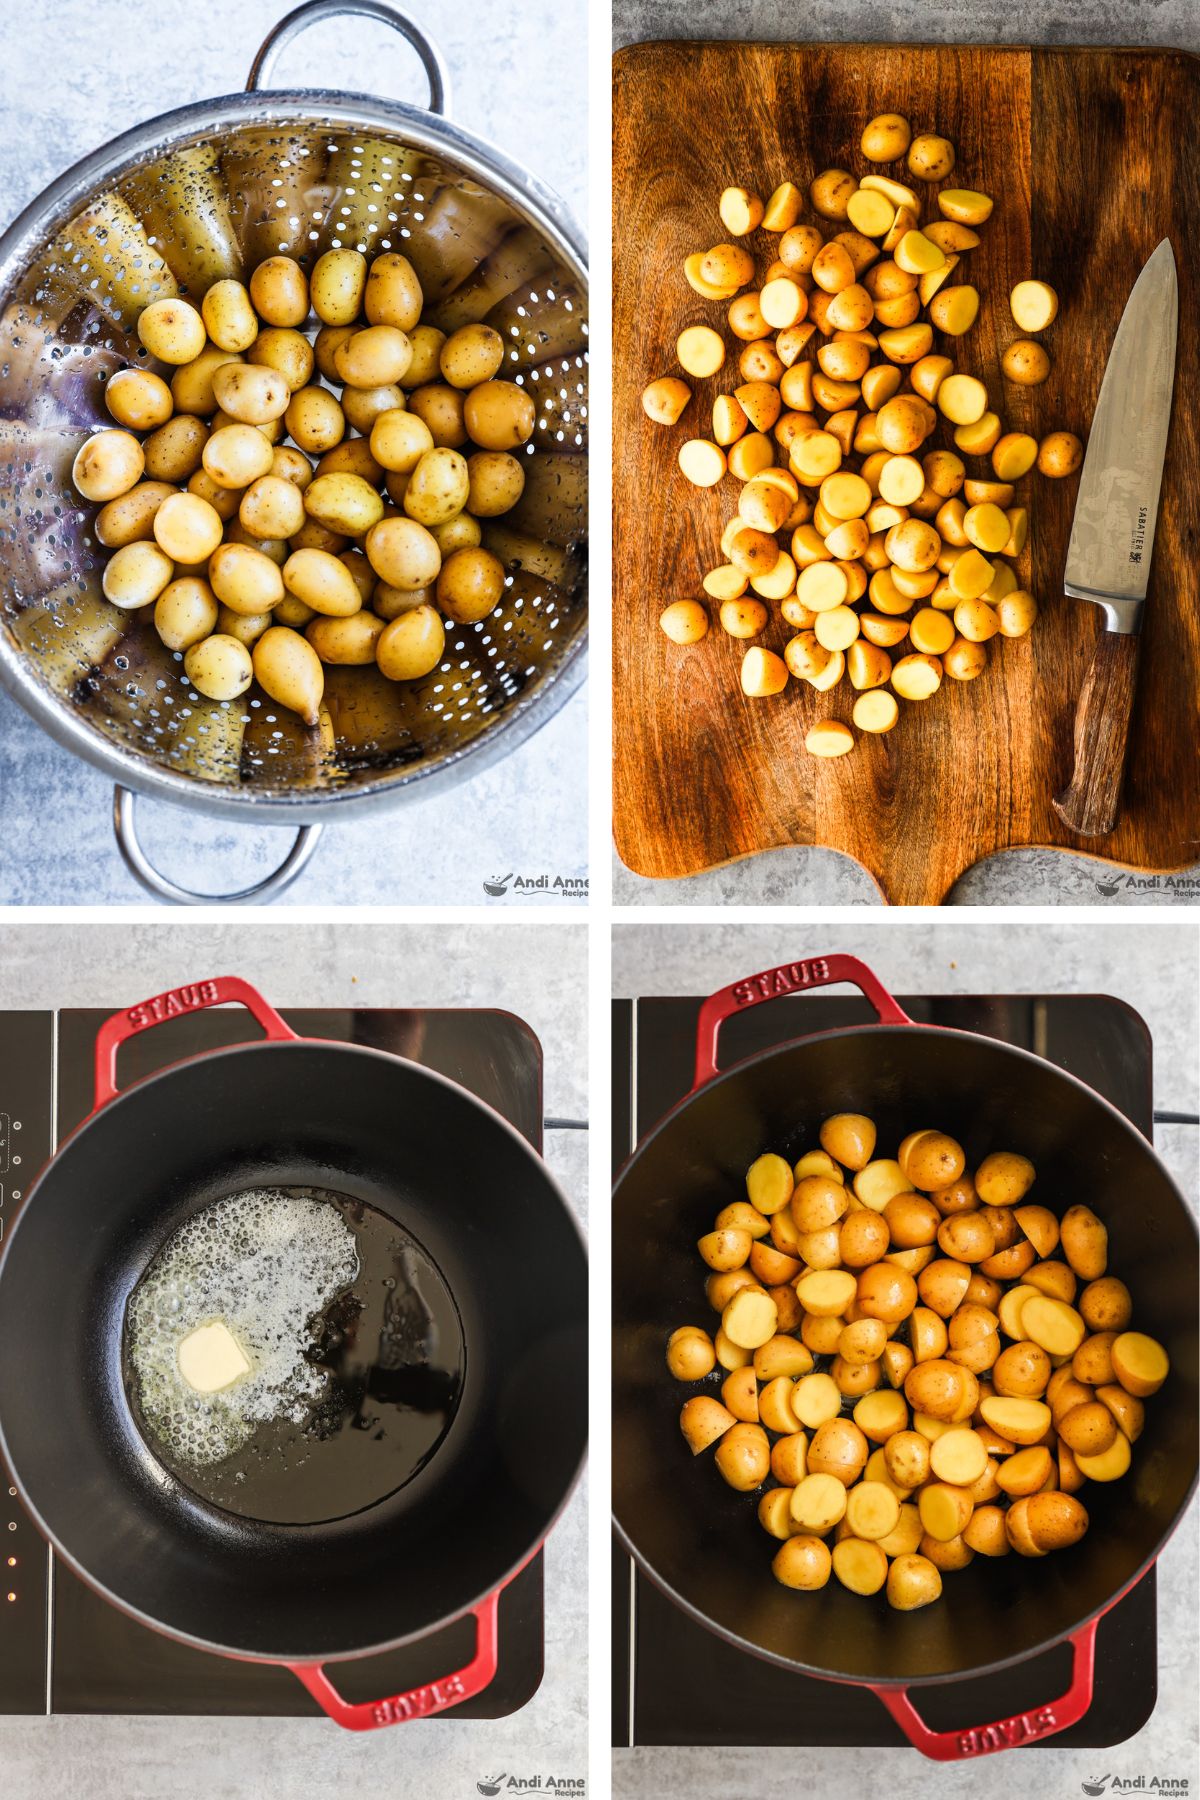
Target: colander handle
(301, 17)
(143, 870)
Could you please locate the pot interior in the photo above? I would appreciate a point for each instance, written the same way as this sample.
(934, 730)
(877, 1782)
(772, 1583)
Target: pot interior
(383, 1132)
(273, 176)
(702, 1541)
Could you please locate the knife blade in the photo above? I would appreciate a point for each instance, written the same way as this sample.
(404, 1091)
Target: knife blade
(1112, 536)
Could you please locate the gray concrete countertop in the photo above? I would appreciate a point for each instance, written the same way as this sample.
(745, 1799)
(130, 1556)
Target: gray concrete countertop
(537, 973)
(79, 72)
(1155, 970)
(823, 877)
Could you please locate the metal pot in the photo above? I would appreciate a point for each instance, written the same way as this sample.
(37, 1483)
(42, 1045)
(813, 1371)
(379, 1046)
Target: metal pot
(294, 1112)
(698, 1540)
(209, 191)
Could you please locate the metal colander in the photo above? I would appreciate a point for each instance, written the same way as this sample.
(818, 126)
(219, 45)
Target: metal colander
(206, 192)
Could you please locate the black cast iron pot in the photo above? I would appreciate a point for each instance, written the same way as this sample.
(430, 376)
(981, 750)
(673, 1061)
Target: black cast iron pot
(699, 1540)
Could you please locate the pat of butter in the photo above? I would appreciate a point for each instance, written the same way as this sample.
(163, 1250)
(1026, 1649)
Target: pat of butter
(210, 1358)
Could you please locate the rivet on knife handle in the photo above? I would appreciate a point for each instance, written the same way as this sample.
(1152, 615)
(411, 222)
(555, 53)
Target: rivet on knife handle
(1088, 804)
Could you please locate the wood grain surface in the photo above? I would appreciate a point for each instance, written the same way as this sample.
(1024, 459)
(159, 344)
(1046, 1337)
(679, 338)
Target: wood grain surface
(1092, 159)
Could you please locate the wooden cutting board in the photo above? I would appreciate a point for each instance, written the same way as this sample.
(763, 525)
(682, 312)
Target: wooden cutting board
(1091, 157)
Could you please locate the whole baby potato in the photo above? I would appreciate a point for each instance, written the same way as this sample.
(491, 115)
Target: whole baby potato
(279, 291)
(236, 455)
(247, 628)
(323, 582)
(136, 575)
(348, 642)
(462, 532)
(470, 585)
(399, 439)
(138, 399)
(443, 409)
(315, 420)
(108, 465)
(244, 579)
(886, 138)
(290, 671)
(499, 415)
(496, 482)
(187, 529)
(362, 406)
(172, 330)
(130, 517)
(185, 613)
(253, 396)
(403, 553)
(374, 357)
(426, 341)
(1060, 453)
(336, 284)
(272, 507)
(351, 457)
(286, 351)
(471, 355)
(219, 667)
(229, 318)
(1025, 363)
(411, 645)
(173, 452)
(393, 294)
(930, 158)
(343, 503)
(438, 487)
(224, 501)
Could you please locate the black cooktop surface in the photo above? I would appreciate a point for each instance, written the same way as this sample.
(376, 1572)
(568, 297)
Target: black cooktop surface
(62, 1648)
(676, 1683)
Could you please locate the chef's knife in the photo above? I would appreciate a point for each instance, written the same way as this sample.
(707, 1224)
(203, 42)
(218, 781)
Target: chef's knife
(1113, 535)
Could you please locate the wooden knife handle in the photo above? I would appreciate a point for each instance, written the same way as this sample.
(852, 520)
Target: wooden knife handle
(1088, 804)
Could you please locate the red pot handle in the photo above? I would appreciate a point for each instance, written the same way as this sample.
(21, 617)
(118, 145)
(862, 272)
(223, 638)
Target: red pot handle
(1004, 1734)
(788, 978)
(195, 996)
(417, 1703)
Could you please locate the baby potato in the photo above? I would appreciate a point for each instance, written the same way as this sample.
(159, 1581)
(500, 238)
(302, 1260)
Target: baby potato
(173, 452)
(343, 503)
(399, 439)
(684, 621)
(192, 382)
(472, 355)
(1105, 1305)
(955, 309)
(337, 284)
(886, 1292)
(348, 642)
(499, 415)
(802, 1562)
(1022, 1371)
(393, 293)
(373, 357)
(288, 668)
(703, 1420)
(1025, 363)
(138, 399)
(849, 1138)
(438, 488)
(403, 553)
(130, 516)
(322, 582)
(412, 644)
(1033, 304)
(187, 529)
(136, 574)
(830, 193)
(271, 507)
(172, 330)
(315, 419)
(497, 482)
(219, 667)
(912, 1582)
(1084, 1242)
(1060, 453)
(185, 613)
(236, 455)
(108, 465)
(886, 138)
(665, 399)
(245, 579)
(229, 318)
(252, 395)
(470, 585)
(1140, 1363)
(279, 291)
(930, 158)
(1004, 1178)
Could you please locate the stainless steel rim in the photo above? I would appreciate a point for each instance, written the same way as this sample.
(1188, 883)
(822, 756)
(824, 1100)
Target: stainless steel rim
(426, 131)
(155, 882)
